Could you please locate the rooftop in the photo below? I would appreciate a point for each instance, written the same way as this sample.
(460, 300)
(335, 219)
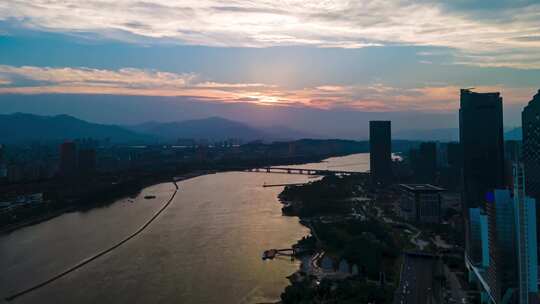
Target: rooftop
(421, 187)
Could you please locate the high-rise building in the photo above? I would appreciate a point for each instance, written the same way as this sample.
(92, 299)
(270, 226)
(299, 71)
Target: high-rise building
(479, 237)
(512, 150)
(501, 274)
(482, 146)
(380, 148)
(420, 203)
(512, 155)
(525, 240)
(450, 172)
(531, 146)
(425, 163)
(68, 159)
(482, 143)
(508, 273)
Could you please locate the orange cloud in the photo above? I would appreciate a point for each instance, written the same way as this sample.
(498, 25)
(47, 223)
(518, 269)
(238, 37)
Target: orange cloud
(375, 97)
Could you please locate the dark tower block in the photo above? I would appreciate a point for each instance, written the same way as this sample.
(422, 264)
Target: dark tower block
(482, 144)
(380, 148)
(530, 122)
(531, 146)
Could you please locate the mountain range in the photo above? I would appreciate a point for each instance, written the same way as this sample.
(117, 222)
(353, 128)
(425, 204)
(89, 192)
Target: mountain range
(21, 127)
(217, 128)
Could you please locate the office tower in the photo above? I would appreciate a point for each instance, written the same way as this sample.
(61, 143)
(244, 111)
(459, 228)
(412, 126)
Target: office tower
(426, 163)
(451, 173)
(482, 143)
(420, 203)
(501, 275)
(508, 273)
(380, 148)
(479, 237)
(525, 239)
(512, 150)
(68, 159)
(512, 155)
(531, 146)
(482, 146)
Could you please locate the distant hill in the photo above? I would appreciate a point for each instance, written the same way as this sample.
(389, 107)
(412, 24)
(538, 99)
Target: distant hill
(513, 134)
(216, 128)
(213, 128)
(20, 127)
(446, 135)
(443, 135)
(278, 133)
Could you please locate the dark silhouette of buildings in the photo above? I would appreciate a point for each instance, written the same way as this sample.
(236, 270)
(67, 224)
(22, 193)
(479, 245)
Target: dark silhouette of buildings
(420, 203)
(531, 146)
(482, 144)
(450, 171)
(3, 166)
(68, 159)
(425, 163)
(454, 154)
(530, 123)
(512, 155)
(87, 161)
(380, 148)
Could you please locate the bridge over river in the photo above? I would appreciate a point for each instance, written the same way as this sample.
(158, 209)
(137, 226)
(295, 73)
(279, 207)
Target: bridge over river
(304, 171)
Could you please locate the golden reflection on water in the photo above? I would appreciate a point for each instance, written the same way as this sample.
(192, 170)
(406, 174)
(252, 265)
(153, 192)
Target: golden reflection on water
(205, 248)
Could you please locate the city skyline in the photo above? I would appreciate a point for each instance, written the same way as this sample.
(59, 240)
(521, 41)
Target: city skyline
(328, 151)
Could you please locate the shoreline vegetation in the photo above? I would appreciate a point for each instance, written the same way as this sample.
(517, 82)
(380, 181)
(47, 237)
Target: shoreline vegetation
(84, 194)
(352, 255)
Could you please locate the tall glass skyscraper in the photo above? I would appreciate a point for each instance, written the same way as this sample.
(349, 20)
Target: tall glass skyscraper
(508, 271)
(525, 239)
(380, 149)
(482, 144)
(531, 147)
(481, 138)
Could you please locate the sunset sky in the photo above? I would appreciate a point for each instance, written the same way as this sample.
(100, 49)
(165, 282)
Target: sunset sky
(377, 56)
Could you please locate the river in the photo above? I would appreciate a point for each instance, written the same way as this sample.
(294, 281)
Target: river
(204, 248)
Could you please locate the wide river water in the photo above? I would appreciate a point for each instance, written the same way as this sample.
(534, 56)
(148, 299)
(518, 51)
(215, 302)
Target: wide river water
(204, 248)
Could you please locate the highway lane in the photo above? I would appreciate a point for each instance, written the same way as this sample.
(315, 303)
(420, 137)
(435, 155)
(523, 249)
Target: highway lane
(416, 281)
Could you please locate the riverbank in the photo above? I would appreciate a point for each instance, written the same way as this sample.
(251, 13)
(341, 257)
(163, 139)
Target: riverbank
(225, 213)
(103, 191)
(352, 255)
(131, 190)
